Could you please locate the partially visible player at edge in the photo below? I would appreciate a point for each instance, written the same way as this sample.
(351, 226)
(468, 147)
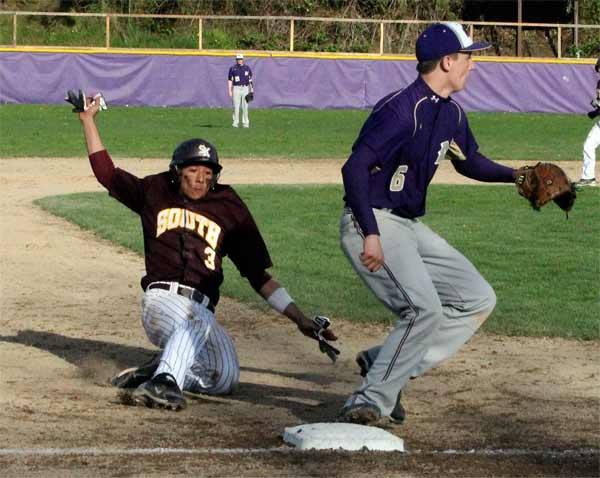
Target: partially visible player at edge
(190, 223)
(439, 297)
(592, 141)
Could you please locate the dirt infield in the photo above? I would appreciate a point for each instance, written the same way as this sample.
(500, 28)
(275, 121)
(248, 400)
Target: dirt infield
(70, 319)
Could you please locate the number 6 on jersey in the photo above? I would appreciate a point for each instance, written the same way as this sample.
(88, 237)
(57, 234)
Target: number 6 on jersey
(397, 181)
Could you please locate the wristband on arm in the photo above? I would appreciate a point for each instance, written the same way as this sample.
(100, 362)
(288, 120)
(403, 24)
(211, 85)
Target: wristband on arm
(280, 299)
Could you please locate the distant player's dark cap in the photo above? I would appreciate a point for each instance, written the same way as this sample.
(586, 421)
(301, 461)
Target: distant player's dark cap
(441, 39)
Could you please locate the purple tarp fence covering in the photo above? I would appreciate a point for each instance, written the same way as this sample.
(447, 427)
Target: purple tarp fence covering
(201, 81)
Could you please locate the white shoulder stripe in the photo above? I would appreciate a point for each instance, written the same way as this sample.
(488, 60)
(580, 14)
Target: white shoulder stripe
(388, 100)
(459, 110)
(415, 113)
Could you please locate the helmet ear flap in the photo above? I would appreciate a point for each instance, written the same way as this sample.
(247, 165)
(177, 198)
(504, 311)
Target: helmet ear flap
(174, 175)
(215, 179)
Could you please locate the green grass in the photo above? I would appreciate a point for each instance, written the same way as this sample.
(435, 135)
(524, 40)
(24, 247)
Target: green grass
(53, 131)
(543, 267)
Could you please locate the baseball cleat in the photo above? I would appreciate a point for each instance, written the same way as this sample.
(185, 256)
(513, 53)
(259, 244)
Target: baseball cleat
(361, 414)
(363, 361)
(398, 413)
(161, 391)
(133, 377)
(585, 182)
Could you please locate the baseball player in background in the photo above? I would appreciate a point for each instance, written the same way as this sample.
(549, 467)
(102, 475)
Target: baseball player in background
(588, 175)
(439, 297)
(239, 84)
(190, 222)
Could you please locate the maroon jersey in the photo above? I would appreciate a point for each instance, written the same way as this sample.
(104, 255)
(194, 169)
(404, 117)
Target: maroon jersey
(186, 240)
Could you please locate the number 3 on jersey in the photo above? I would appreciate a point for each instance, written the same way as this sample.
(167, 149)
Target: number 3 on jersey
(210, 258)
(397, 182)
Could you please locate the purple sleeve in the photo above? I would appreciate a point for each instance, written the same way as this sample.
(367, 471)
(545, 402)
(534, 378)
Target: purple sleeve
(382, 136)
(355, 174)
(468, 161)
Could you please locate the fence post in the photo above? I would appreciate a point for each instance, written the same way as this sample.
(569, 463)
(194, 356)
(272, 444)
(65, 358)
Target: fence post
(107, 21)
(559, 42)
(576, 15)
(519, 28)
(292, 34)
(15, 29)
(381, 37)
(199, 33)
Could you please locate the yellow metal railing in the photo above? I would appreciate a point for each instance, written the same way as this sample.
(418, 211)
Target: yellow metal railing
(293, 22)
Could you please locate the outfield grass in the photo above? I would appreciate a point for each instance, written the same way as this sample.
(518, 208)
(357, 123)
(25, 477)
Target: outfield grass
(543, 267)
(53, 131)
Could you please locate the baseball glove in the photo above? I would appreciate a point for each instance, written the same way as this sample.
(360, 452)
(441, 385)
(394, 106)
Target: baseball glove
(543, 183)
(250, 97)
(81, 102)
(594, 113)
(323, 323)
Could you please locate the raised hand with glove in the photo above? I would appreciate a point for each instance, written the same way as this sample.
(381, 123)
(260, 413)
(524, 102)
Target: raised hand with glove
(82, 103)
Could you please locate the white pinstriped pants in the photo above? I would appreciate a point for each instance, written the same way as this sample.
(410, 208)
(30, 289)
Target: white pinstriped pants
(197, 351)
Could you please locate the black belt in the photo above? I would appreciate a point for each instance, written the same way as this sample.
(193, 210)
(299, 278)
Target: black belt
(185, 291)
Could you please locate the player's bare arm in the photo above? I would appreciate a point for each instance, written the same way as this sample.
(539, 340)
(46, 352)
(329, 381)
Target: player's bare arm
(90, 130)
(277, 297)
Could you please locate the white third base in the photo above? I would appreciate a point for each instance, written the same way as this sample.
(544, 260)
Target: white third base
(341, 436)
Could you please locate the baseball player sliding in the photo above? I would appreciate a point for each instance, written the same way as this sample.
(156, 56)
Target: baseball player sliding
(190, 223)
(439, 297)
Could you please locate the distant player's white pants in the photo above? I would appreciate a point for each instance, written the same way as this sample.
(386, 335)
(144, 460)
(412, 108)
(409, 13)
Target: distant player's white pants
(197, 351)
(589, 151)
(239, 101)
(437, 294)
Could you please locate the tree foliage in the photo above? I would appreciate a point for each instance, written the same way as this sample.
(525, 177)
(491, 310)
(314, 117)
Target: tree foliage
(329, 36)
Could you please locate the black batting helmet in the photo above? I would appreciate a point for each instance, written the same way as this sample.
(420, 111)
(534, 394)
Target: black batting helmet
(195, 151)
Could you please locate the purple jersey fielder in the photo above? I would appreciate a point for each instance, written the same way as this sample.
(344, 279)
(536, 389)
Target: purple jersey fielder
(438, 295)
(399, 149)
(239, 84)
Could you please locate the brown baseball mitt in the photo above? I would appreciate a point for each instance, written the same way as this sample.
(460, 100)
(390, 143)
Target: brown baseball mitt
(543, 183)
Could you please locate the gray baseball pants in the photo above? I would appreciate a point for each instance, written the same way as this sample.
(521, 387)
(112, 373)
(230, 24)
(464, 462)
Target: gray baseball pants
(239, 101)
(439, 297)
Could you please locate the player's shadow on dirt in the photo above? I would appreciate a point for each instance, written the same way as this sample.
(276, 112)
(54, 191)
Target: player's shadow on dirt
(82, 352)
(99, 360)
(308, 404)
(302, 376)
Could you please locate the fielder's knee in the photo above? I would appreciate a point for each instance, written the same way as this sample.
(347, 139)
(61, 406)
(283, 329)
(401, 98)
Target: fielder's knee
(488, 303)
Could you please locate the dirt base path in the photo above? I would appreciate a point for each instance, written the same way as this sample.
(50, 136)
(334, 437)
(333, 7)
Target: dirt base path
(70, 319)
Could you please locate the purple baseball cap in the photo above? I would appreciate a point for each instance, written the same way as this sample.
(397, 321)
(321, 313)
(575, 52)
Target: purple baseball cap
(441, 39)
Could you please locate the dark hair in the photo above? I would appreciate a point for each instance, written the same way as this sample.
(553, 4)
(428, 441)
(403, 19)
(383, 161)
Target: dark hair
(424, 67)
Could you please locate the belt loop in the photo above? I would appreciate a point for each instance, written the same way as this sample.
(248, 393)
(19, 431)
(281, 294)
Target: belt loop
(174, 287)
